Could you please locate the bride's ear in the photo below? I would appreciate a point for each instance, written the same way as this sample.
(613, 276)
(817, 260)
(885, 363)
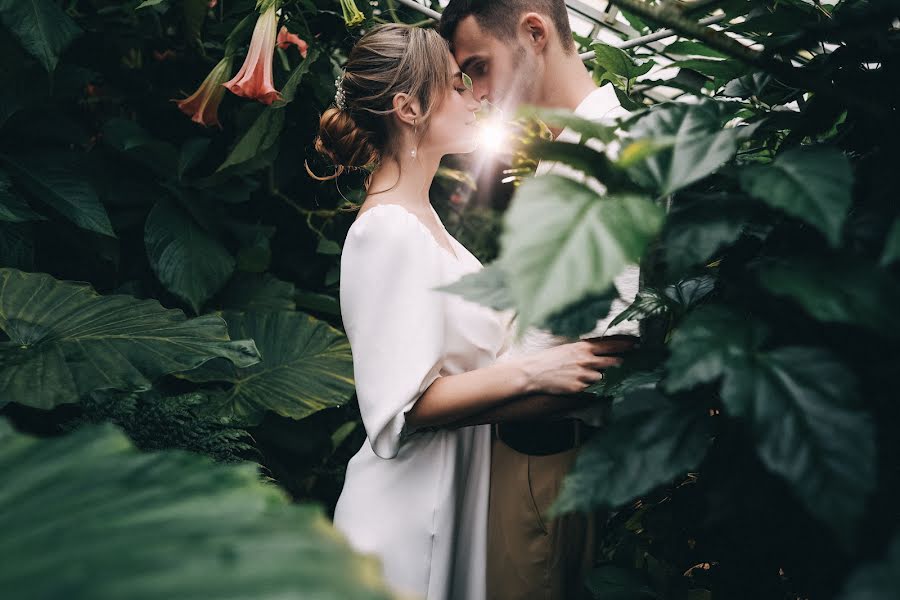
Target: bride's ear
(407, 108)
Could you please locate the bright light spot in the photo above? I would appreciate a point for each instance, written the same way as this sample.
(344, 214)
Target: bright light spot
(493, 136)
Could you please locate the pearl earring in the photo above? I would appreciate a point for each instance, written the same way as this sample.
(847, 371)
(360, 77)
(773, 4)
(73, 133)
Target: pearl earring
(412, 152)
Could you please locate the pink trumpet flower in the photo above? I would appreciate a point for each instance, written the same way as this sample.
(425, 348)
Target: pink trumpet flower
(286, 38)
(254, 79)
(203, 105)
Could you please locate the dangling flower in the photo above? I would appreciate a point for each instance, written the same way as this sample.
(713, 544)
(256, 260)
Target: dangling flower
(286, 38)
(203, 105)
(352, 15)
(254, 79)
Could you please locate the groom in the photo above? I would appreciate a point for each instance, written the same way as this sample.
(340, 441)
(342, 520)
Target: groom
(521, 52)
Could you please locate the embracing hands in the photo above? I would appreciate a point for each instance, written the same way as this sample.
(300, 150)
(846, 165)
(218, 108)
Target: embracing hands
(571, 368)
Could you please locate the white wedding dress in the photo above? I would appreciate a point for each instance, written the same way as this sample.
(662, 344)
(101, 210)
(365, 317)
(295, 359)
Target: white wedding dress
(416, 499)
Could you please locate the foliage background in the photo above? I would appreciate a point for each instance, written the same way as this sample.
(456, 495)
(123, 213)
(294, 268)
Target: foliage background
(751, 451)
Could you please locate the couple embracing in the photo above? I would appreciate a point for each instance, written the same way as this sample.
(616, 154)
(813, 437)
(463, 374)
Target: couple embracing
(469, 433)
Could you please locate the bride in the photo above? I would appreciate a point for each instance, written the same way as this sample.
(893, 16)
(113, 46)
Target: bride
(425, 362)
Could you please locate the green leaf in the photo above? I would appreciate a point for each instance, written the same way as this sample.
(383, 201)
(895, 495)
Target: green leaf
(54, 179)
(580, 157)
(467, 81)
(129, 138)
(65, 340)
(306, 367)
(803, 408)
(892, 245)
(44, 30)
(187, 260)
(634, 455)
(721, 71)
(696, 229)
(747, 85)
(194, 12)
(191, 153)
(582, 316)
(262, 135)
(811, 183)
(876, 580)
(605, 132)
(617, 61)
(289, 90)
(257, 291)
(710, 341)
(701, 144)
(13, 208)
(563, 242)
(488, 286)
(170, 524)
(801, 405)
(838, 291)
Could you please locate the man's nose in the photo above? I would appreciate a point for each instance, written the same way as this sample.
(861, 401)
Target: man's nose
(482, 92)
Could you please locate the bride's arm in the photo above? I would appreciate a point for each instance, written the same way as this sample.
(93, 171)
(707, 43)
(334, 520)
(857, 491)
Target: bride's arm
(526, 407)
(528, 387)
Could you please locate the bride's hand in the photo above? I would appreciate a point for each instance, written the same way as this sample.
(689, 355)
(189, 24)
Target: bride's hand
(573, 367)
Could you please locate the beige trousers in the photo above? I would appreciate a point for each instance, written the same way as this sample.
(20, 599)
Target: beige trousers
(531, 557)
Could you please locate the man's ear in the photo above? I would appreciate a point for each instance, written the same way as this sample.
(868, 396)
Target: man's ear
(406, 108)
(536, 28)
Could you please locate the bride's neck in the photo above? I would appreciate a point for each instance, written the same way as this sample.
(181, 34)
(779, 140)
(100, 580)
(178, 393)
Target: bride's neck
(408, 178)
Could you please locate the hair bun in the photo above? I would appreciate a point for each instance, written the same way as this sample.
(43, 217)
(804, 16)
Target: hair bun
(346, 144)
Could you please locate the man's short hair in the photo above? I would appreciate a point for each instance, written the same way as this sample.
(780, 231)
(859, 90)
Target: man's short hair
(500, 17)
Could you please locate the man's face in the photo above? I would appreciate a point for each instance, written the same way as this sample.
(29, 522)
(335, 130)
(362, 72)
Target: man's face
(503, 72)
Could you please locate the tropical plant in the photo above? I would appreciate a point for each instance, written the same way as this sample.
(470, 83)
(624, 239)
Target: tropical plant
(751, 451)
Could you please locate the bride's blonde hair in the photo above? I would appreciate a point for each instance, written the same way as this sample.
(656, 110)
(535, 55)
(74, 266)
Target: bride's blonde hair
(388, 60)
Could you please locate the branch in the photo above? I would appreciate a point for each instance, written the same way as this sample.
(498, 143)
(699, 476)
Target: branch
(673, 18)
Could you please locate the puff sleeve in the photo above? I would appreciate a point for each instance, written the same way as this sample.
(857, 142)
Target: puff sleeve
(393, 318)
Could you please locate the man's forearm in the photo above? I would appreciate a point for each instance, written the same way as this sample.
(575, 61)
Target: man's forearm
(531, 406)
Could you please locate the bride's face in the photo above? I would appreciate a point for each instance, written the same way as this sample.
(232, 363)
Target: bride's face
(453, 129)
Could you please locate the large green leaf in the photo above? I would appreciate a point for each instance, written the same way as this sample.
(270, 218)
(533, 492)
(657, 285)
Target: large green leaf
(65, 340)
(12, 207)
(698, 228)
(190, 262)
(634, 455)
(86, 516)
(54, 178)
(877, 580)
(811, 183)
(42, 27)
(711, 340)
(563, 242)
(306, 367)
(800, 403)
(838, 291)
(701, 144)
(261, 137)
(804, 410)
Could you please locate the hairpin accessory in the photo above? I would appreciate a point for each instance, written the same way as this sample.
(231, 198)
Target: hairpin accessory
(339, 98)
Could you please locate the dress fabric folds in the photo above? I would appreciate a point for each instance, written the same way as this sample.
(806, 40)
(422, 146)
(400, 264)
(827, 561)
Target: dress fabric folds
(416, 499)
